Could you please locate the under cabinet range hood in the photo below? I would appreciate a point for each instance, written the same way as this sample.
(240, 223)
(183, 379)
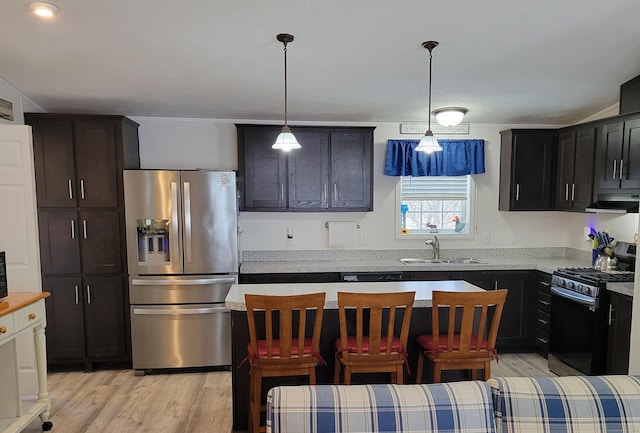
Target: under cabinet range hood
(615, 203)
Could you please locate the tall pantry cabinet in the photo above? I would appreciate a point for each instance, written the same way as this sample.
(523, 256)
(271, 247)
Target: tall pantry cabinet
(78, 165)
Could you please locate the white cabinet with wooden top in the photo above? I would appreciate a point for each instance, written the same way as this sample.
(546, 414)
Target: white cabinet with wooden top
(22, 314)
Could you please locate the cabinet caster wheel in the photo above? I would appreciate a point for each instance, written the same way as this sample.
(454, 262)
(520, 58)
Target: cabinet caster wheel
(47, 425)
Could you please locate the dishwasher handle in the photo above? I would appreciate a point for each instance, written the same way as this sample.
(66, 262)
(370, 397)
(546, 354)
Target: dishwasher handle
(178, 311)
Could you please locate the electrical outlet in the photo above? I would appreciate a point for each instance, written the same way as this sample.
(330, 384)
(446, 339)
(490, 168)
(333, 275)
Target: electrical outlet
(486, 237)
(363, 239)
(515, 238)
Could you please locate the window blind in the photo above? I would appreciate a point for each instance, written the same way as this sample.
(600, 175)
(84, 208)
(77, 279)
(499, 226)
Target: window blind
(434, 188)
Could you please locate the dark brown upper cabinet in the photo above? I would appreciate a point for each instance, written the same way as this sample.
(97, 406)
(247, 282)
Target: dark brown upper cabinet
(527, 169)
(331, 172)
(574, 178)
(618, 156)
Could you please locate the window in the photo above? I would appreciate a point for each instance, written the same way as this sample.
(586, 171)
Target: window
(434, 204)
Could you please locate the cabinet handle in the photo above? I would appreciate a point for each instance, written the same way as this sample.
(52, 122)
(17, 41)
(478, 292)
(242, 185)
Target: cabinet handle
(543, 340)
(73, 229)
(573, 191)
(282, 191)
(495, 285)
(335, 191)
(615, 168)
(324, 192)
(84, 228)
(621, 165)
(70, 190)
(545, 303)
(566, 191)
(611, 311)
(3, 329)
(77, 299)
(517, 191)
(88, 294)
(544, 322)
(82, 189)
(544, 283)
(32, 316)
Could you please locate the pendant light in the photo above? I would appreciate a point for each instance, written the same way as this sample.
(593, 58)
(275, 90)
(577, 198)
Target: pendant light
(428, 143)
(286, 140)
(449, 116)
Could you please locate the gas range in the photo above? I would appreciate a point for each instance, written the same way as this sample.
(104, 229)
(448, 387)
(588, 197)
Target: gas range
(588, 281)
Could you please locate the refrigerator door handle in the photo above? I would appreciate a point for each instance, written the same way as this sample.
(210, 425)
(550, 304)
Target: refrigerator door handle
(174, 222)
(186, 186)
(193, 282)
(179, 312)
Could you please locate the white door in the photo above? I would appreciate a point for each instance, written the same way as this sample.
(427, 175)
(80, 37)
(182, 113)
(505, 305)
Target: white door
(19, 230)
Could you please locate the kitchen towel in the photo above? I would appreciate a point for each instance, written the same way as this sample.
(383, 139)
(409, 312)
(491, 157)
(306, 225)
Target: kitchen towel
(342, 234)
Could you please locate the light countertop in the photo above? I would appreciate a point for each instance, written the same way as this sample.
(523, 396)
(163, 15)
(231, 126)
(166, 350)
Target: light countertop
(423, 289)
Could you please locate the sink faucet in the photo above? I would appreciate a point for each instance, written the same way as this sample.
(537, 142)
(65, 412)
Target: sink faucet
(435, 244)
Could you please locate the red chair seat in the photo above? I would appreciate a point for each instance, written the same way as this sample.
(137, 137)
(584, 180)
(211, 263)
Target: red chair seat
(426, 341)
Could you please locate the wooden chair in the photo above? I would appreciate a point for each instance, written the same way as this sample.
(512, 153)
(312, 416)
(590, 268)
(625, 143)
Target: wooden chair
(287, 349)
(469, 341)
(376, 347)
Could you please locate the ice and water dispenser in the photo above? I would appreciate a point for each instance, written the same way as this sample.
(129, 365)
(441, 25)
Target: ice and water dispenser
(153, 241)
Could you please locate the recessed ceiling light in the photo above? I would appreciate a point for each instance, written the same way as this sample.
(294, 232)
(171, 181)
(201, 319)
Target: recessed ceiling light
(43, 9)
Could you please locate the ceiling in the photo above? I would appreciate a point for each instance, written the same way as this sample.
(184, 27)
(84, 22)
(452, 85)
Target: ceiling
(542, 62)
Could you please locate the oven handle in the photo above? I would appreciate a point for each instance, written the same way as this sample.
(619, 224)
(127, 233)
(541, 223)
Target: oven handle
(573, 296)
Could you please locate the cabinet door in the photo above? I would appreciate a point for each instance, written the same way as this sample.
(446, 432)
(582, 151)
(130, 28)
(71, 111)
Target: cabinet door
(619, 334)
(583, 168)
(96, 163)
(631, 155)
(264, 176)
(104, 317)
(59, 242)
(608, 157)
(351, 161)
(54, 163)
(309, 171)
(527, 170)
(513, 331)
(65, 321)
(100, 234)
(565, 164)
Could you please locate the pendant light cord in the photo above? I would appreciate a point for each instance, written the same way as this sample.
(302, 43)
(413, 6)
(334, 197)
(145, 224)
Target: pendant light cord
(429, 113)
(285, 84)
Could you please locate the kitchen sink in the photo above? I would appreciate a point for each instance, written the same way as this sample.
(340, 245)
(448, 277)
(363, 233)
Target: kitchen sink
(457, 261)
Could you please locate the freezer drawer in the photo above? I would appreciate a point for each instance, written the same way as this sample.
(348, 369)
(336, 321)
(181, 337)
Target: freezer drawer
(179, 289)
(177, 336)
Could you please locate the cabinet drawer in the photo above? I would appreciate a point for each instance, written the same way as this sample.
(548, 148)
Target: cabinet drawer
(543, 320)
(29, 315)
(6, 324)
(544, 302)
(542, 341)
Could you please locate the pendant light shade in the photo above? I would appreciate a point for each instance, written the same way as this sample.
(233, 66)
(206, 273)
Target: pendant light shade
(285, 141)
(428, 143)
(450, 116)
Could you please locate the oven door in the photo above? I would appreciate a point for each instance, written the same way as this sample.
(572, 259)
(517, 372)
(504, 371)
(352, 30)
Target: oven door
(577, 337)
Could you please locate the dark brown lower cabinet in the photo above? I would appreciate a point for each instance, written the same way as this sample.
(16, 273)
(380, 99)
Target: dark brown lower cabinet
(619, 335)
(86, 319)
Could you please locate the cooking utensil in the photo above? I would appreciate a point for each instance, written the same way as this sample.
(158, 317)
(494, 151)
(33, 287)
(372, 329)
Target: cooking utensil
(606, 263)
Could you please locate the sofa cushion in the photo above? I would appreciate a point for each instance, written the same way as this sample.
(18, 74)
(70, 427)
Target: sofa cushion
(444, 408)
(577, 404)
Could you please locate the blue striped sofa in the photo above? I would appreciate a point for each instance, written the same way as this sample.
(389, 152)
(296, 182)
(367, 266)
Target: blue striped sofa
(597, 404)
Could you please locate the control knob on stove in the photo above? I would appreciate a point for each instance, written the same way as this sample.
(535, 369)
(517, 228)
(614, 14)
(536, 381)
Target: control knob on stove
(570, 285)
(560, 282)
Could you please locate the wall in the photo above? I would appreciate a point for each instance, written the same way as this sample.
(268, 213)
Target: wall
(206, 143)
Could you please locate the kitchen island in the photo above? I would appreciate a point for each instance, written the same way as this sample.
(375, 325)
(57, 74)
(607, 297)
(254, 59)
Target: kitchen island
(420, 324)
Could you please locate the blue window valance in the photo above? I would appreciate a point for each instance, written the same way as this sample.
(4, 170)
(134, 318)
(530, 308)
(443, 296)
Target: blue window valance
(458, 158)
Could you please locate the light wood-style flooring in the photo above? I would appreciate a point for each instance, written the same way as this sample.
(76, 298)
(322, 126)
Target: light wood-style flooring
(117, 401)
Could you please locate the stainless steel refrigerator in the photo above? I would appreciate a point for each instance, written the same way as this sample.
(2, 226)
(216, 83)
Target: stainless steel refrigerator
(183, 258)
